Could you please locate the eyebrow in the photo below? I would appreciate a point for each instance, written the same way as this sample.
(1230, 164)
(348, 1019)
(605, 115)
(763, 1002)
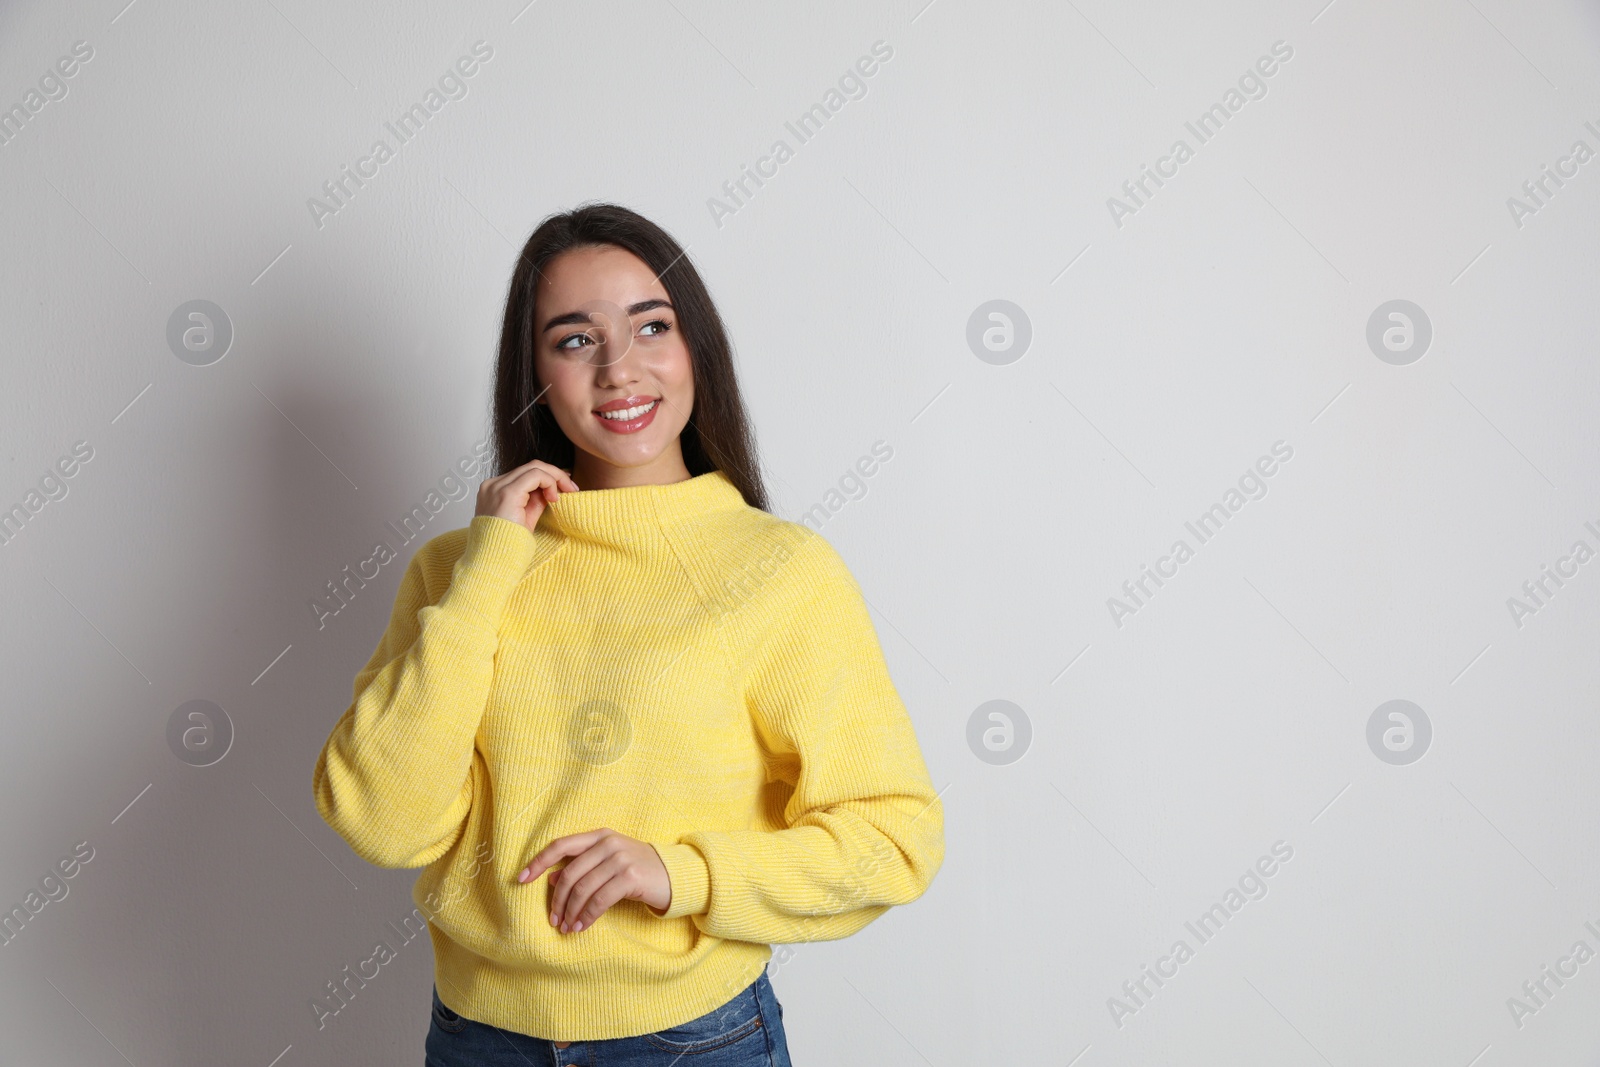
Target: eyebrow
(572, 317)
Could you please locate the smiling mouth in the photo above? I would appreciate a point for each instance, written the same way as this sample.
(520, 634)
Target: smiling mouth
(628, 415)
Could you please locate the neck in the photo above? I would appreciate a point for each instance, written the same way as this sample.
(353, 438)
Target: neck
(592, 472)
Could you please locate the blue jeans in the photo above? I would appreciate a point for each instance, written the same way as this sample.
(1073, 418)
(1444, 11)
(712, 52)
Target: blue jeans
(747, 1031)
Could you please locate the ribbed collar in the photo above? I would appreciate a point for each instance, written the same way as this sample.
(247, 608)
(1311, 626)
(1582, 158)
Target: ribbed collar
(634, 516)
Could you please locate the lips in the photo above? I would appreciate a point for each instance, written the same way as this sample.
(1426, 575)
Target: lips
(645, 408)
(626, 402)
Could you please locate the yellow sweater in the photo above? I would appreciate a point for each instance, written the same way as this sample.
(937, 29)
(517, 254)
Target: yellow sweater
(663, 660)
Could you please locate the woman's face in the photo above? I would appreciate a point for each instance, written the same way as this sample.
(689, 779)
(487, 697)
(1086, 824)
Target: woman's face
(613, 365)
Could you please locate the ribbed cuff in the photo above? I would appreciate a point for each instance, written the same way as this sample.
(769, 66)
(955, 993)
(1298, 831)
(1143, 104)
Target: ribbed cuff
(497, 555)
(690, 878)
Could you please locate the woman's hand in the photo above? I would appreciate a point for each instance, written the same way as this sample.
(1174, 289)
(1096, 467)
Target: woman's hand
(606, 867)
(521, 494)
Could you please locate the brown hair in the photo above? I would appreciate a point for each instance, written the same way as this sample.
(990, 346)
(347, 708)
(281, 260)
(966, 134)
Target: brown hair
(717, 435)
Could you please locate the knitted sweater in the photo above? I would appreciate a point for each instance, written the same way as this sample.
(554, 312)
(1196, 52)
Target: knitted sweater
(663, 660)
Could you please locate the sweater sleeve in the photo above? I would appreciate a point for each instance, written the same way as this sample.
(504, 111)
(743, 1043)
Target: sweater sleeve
(865, 828)
(394, 778)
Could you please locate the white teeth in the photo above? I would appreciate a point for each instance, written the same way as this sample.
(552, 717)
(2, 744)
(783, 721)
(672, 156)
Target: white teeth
(624, 414)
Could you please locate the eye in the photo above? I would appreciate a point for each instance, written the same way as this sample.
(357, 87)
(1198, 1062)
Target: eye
(663, 323)
(563, 345)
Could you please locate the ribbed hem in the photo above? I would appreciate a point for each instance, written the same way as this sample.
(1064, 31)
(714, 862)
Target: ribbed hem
(690, 877)
(497, 555)
(604, 1002)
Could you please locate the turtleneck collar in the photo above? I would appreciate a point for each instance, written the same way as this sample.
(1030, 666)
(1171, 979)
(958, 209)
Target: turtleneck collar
(634, 516)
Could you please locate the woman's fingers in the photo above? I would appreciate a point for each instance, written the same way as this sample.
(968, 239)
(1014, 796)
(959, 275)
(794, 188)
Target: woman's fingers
(558, 477)
(562, 886)
(563, 479)
(584, 857)
(518, 485)
(547, 857)
(521, 494)
(593, 893)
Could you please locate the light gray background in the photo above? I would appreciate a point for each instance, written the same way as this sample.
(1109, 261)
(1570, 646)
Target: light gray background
(1168, 354)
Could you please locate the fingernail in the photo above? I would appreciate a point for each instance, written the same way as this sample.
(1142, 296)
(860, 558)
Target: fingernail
(577, 926)
(523, 877)
(552, 918)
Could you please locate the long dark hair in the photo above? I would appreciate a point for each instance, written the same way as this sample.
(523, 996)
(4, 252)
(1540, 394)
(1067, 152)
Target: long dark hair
(717, 436)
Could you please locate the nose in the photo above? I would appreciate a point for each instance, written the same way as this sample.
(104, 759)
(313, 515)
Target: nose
(611, 328)
(610, 357)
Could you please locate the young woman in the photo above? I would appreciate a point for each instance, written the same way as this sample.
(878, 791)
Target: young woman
(634, 728)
